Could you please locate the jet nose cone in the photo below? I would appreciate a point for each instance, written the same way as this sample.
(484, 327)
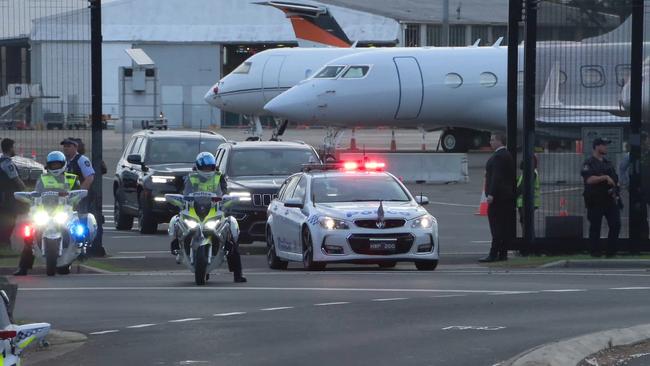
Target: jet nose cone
(212, 97)
(290, 105)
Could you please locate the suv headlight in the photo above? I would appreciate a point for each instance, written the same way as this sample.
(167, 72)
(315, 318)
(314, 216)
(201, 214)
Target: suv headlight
(161, 179)
(191, 223)
(329, 223)
(423, 222)
(241, 195)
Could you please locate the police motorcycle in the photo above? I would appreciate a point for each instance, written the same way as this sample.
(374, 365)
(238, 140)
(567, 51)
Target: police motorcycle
(14, 339)
(204, 233)
(58, 233)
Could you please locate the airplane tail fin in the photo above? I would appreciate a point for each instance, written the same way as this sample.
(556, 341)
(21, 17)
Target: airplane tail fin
(314, 26)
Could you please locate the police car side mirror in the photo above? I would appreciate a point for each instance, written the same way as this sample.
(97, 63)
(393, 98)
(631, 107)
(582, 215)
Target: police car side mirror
(422, 200)
(293, 203)
(134, 159)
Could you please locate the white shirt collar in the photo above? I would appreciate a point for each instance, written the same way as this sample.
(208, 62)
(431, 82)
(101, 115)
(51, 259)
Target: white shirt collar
(499, 148)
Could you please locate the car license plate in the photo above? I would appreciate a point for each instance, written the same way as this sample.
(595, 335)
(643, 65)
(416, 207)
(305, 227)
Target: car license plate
(383, 246)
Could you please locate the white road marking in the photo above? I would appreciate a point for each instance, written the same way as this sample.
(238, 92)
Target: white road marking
(512, 293)
(451, 204)
(630, 288)
(127, 257)
(390, 299)
(332, 303)
(148, 252)
(140, 326)
(473, 327)
(563, 190)
(184, 320)
(230, 314)
(278, 308)
(443, 296)
(566, 290)
(105, 332)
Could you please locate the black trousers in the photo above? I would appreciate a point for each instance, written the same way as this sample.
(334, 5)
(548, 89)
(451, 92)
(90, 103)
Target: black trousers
(595, 215)
(27, 255)
(501, 226)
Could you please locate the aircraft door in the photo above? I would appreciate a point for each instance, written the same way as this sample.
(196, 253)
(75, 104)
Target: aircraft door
(271, 77)
(410, 86)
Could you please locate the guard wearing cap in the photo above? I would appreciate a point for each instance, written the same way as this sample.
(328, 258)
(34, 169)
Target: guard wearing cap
(601, 196)
(10, 182)
(79, 165)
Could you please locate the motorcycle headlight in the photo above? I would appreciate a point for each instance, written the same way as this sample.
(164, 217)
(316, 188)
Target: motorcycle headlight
(191, 223)
(41, 218)
(211, 224)
(423, 222)
(61, 218)
(329, 223)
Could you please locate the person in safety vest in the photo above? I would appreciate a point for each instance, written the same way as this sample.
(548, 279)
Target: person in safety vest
(520, 191)
(206, 178)
(54, 180)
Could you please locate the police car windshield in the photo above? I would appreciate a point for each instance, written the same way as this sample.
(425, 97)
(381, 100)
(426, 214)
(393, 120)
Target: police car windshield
(256, 162)
(357, 188)
(169, 151)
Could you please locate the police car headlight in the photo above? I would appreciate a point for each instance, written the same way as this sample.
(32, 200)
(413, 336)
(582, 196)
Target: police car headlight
(161, 179)
(212, 224)
(61, 218)
(41, 218)
(423, 222)
(329, 223)
(191, 223)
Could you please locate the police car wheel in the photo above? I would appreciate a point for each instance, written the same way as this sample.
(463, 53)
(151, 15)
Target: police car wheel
(308, 253)
(426, 265)
(271, 257)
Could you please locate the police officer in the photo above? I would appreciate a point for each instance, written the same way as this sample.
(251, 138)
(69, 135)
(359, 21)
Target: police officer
(80, 165)
(56, 179)
(10, 182)
(601, 196)
(208, 179)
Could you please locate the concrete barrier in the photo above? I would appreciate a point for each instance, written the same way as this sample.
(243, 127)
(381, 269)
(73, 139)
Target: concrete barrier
(565, 168)
(419, 166)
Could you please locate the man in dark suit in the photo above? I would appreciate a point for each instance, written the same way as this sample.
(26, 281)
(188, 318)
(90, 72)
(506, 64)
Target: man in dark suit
(500, 191)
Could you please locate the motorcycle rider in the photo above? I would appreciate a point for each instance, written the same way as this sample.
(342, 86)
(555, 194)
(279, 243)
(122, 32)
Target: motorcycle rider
(207, 178)
(55, 180)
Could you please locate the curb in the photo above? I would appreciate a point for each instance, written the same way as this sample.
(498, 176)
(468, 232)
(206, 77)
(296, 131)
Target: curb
(573, 350)
(60, 343)
(599, 263)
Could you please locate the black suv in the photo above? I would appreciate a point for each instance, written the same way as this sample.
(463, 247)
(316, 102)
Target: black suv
(255, 171)
(153, 164)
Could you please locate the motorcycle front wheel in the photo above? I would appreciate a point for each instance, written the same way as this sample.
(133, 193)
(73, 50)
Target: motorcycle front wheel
(201, 265)
(51, 254)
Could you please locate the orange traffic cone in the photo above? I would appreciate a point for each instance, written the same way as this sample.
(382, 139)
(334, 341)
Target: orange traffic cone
(483, 206)
(353, 141)
(33, 154)
(393, 145)
(563, 210)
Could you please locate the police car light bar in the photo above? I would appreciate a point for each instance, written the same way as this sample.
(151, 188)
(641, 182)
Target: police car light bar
(348, 166)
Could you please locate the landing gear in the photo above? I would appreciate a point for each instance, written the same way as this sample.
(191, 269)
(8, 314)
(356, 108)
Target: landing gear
(255, 130)
(460, 140)
(279, 131)
(332, 140)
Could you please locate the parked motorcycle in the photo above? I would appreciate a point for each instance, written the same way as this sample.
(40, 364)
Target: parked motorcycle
(14, 339)
(204, 233)
(56, 232)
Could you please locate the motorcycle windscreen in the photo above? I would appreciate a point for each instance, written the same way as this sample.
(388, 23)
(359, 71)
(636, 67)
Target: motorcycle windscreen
(410, 87)
(202, 206)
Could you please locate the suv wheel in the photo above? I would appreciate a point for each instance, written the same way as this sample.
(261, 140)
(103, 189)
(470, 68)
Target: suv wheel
(426, 265)
(272, 259)
(122, 220)
(146, 220)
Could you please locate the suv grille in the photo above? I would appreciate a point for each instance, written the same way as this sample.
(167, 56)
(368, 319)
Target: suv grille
(263, 199)
(372, 224)
(360, 243)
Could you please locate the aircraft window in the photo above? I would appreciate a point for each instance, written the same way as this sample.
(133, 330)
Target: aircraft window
(453, 80)
(622, 74)
(488, 79)
(329, 72)
(244, 68)
(356, 72)
(592, 76)
(563, 77)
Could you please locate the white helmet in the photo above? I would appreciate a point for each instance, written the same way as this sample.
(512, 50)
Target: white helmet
(206, 165)
(56, 163)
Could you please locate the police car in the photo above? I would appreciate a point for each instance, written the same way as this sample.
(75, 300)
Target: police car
(349, 212)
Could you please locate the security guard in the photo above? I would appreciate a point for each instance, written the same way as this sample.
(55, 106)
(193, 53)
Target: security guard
(57, 180)
(80, 165)
(208, 179)
(10, 182)
(601, 196)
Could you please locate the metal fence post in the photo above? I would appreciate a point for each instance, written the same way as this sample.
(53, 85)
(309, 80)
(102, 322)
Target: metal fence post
(530, 72)
(96, 91)
(514, 17)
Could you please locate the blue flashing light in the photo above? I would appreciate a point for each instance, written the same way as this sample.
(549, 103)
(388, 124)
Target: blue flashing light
(78, 231)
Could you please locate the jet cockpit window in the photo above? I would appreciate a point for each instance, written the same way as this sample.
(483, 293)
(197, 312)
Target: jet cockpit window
(593, 76)
(356, 72)
(244, 68)
(329, 72)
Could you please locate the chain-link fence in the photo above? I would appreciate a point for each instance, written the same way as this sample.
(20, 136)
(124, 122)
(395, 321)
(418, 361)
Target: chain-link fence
(45, 74)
